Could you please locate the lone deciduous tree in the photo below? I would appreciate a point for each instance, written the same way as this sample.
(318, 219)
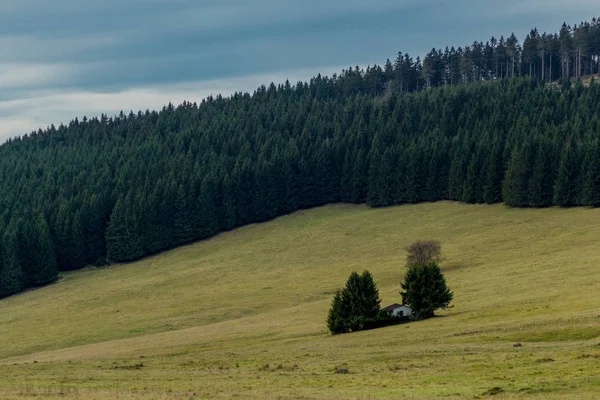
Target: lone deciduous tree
(424, 252)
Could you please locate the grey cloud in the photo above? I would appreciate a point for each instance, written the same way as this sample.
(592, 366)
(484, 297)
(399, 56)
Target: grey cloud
(120, 47)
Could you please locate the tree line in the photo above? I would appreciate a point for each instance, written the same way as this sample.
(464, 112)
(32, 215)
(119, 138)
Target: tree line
(117, 189)
(572, 52)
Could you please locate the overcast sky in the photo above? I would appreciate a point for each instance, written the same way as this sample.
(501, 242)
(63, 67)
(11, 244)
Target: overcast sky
(61, 59)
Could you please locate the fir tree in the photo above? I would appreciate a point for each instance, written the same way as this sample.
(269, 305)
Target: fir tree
(370, 301)
(122, 240)
(492, 187)
(336, 317)
(11, 274)
(540, 190)
(46, 270)
(356, 307)
(591, 176)
(514, 186)
(424, 289)
(567, 189)
(184, 231)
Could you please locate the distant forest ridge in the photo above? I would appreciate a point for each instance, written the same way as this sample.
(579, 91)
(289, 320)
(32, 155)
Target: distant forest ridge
(117, 189)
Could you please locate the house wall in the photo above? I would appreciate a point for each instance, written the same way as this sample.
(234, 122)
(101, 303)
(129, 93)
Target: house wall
(402, 311)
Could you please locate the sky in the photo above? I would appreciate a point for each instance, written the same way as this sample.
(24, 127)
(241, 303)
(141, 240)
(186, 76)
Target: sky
(63, 59)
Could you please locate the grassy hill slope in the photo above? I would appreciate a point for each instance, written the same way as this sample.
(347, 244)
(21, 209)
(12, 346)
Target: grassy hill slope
(243, 314)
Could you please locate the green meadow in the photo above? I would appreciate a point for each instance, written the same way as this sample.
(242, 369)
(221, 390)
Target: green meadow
(242, 315)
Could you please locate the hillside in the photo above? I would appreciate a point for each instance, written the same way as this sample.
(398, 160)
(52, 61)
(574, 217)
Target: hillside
(243, 314)
(477, 124)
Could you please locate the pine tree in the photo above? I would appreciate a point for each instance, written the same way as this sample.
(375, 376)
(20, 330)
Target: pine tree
(456, 177)
(432, 185)
(567, 190)
(514, 186)
(374, 195)
(336, 317)
(356, 307)
(11, 274)
(207, 223)
(346, 179)
(370, 301)
(471, 187)
(290, 175)
(414, 178)
(358, 184)
(352, 303)
(77, 249)
(230, 205)
(591, 176)
(63, 238)
(425, 290)
(385, 183)
(541, 183)
(184, 231)
(122, 239)
(46, 270)
(492, 187)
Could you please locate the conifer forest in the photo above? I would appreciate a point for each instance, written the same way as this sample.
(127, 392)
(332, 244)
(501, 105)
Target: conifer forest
(502, 121)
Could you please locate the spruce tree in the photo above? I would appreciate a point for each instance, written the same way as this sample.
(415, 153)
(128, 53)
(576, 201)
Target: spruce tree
(471, 188)
(591, 176)
(370, 301)
(46, 270)
(352, 298)
(358, 182)
(540, 190)
(414, 178)
(122, 235)
(425, 290)
(456, 177)
(492, 169)
(206, 221)
(567, 190)
(78, 250)
(184, 231)
(432, 185)
(11, 274)
(385, 189)
(117, 233)
(356, 307)
(374, 192)
(336, 318)
(514, 186)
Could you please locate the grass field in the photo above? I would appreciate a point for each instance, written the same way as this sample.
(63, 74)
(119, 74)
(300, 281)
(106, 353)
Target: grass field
(243, 315)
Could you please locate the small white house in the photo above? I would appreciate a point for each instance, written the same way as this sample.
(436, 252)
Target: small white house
(398, 310)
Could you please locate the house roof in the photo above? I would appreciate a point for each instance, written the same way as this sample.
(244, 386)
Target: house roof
(393, 307)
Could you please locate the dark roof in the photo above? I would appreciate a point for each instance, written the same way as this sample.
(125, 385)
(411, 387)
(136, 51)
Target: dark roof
(392, 307)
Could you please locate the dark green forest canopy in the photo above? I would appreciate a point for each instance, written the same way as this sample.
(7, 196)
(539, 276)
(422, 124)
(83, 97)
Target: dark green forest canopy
(121, 188)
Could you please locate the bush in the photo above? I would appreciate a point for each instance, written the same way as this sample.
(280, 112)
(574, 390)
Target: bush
(425, 290)
(424, 252)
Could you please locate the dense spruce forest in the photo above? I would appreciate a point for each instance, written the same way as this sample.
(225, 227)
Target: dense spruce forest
(477, 124)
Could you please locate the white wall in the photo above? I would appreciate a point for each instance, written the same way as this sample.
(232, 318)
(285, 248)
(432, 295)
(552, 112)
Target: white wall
(402, 311)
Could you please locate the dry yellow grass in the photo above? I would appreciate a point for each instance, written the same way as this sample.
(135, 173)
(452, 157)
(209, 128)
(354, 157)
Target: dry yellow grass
(242, 315)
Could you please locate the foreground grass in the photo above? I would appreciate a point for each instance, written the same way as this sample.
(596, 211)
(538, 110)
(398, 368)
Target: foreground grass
(242, 315)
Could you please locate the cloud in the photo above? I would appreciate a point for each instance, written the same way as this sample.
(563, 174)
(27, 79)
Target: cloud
(31, 75)
(11, 126)
(559, 8)
(67, 58)
(23, 115)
